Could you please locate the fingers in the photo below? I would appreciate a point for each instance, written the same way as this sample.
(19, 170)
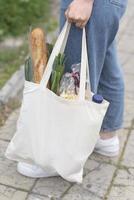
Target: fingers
(79, 22)
(83, 24)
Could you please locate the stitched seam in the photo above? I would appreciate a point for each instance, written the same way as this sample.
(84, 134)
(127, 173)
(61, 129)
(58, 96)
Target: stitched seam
(116, 3)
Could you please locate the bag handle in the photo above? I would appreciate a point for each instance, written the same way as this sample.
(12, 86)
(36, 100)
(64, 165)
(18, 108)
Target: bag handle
(84, 72)
(59, 48)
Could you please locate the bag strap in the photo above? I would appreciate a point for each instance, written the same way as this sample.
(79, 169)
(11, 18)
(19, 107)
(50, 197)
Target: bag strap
(84, 72)
(59, 48)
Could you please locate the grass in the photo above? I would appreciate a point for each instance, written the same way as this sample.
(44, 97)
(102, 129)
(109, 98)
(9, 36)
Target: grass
(17, 15)
(10, 61)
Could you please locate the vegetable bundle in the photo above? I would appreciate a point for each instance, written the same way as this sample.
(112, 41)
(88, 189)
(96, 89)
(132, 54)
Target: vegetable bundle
(35, 64)
(57, 73)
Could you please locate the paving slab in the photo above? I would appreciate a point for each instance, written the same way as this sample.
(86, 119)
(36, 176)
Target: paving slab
(129, 83)
(124, 57)
(126, 44)
(37, 197)
(98, 181)
(121, 193)
(8, 193)
(91, 165)
(8, 173)
(129, 113)
(128, 158)
(7, 131)
(123, 186)
(124, 178)
(128, 63)
(79, 193)
(99, 171)
(51, 187)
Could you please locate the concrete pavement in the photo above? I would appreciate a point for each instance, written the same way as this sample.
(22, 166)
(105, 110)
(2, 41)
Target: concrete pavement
(104, 178)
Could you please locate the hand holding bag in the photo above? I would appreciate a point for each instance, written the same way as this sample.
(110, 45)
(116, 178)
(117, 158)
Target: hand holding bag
(55, 133)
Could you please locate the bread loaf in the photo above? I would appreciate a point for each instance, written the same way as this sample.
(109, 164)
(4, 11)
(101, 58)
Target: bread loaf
(38, 53)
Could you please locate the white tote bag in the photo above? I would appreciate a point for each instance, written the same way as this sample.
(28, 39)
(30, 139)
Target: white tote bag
(55, 133)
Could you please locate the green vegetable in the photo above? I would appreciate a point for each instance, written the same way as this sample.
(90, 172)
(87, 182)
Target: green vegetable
(57, 73)
(49, 48)
(29, 70)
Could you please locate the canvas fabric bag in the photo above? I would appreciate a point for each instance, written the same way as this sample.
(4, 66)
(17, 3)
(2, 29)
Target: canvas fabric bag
(55, 133)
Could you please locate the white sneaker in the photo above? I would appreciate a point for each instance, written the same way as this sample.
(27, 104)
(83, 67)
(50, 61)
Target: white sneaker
(108, 147)
(33, 171)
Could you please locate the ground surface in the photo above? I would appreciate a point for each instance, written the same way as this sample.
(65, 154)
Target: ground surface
(111, 179)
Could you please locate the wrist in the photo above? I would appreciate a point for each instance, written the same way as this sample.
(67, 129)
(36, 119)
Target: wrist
(85, 1)
(89, 1)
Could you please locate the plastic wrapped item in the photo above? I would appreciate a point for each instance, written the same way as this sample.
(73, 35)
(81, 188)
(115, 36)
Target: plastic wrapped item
(76, 75)
(69, 85)
(75, 68)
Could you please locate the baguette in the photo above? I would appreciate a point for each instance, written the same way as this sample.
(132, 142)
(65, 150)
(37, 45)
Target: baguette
(38, 53)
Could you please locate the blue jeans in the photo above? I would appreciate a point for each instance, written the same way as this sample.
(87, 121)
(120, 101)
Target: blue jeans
(105, 70)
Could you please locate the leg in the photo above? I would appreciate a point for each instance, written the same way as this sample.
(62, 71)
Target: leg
(111, 86)
(101, 32)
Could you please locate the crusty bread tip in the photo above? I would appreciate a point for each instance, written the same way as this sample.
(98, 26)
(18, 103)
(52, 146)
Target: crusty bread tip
(38, 53)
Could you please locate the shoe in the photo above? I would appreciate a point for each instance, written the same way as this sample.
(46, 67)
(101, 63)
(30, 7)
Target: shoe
(33, 171)
(107, 147)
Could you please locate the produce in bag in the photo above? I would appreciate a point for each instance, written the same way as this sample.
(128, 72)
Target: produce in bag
(49, 49)
(29, 74)
(76, 74)
(38, 52)
(57, 72)
(36, 63)
(69, 85)
(29, 70)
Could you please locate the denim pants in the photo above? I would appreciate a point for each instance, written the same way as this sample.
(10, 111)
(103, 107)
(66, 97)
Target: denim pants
(105, 70)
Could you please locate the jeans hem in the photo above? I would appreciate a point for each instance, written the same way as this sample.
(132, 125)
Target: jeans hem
(105, 130)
